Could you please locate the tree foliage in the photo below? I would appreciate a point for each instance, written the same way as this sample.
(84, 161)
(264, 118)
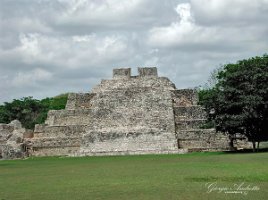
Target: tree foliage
(238, 102)
(30, 111)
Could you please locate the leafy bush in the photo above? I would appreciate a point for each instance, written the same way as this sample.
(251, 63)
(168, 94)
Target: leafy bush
(31, 111)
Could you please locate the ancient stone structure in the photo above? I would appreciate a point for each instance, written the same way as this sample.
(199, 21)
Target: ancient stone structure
(12, 143)
(127, 114)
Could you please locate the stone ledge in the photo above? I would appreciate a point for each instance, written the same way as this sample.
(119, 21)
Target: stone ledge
(118, 153)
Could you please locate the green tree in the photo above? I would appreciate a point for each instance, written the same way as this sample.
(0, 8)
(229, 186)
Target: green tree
(26, 110)
(30, 111)
(238, 102)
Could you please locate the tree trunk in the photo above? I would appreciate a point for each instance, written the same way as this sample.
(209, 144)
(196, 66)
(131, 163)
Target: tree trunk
(254, 146)
(258, 146)
(231, 143)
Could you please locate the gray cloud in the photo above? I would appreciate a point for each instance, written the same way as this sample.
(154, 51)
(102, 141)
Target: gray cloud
(50, 47)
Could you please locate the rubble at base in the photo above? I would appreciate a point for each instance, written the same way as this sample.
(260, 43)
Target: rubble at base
(12, 140)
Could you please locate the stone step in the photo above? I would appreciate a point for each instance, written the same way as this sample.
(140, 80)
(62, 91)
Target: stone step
(53, 142)
(202, 139)
(68, 117)
(191, 112)
(189, 124)
(184, 97)
(194, 133)
(60, 131)
(79, 100)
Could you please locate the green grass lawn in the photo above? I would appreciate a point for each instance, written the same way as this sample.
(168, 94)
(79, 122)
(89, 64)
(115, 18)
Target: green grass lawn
(135, 177)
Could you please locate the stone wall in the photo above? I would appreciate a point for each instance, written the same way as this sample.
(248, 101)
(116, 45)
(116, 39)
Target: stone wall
(79, 100)
(131, 116)
(121, 73)
(147, 71)
(56, 140)
(120, 142)
(188, 119)
(202, 140)
(124, 107)
(184, 97)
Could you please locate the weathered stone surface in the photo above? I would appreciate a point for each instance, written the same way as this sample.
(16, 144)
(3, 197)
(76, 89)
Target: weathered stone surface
(60, 131)
(147, 71)
(189, 112)
(184, 98)
(28, 133)
(16, 124)
(202, 139)
(12, 140)
(124, 141)
(76, 101)
(128, 114)
(121, 73)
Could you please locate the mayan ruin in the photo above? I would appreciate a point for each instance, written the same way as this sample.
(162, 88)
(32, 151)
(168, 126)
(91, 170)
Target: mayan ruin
(143, 114)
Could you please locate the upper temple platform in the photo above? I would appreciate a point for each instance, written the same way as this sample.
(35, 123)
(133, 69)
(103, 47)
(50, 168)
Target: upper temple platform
(122, 79)
(125, 73)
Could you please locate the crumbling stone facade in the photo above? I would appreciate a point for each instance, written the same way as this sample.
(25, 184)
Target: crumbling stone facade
(143, 114)
(12, 140)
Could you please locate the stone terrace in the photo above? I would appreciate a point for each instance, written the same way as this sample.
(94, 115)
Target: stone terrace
(127, 114)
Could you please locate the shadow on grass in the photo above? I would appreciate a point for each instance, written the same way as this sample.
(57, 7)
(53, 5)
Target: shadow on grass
(247, 151)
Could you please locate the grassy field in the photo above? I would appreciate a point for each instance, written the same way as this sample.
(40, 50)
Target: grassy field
(189, 176)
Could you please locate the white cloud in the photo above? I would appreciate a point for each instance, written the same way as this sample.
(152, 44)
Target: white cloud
(186, 34)
(29, 46)
(110, 13)
(182, 32)
(50, 47)
(25, 24)
(151, 62)
(226, 12)
(184, 11)
(71, 52)
(24, 79)
(84, 38)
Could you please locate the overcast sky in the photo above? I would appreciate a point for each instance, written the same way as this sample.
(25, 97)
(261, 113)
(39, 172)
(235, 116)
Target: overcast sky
(48, 47)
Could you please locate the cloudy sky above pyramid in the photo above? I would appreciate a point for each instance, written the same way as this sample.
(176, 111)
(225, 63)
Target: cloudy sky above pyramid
(48, 47)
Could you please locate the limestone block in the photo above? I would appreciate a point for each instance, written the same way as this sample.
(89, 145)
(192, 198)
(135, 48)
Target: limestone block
(17, 135)
(136, 142)
(52, 142)
(190, 112)
(207, 139)
(28, 133)
(147, 71)
(79, 100)
(184, 97)
(122, 73)
(62, 131)
(16, 124)
(12, 141)
(182, 124)
(12, 151)
(39, 128)
(71, 101)
(5, 131)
